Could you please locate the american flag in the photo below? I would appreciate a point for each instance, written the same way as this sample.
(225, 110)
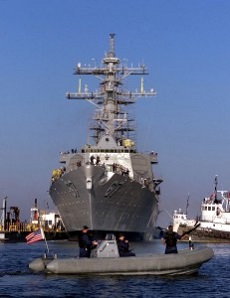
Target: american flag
(35, 236)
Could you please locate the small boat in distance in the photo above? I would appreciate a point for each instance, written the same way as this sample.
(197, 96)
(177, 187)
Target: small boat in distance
(214, 219)
(181, 222)
(50, 221)
(215, 214)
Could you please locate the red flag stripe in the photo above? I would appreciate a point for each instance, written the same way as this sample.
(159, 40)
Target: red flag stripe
(35, 236)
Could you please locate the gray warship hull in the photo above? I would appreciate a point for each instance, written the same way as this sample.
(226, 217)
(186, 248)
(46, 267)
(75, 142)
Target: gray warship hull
(117, 205)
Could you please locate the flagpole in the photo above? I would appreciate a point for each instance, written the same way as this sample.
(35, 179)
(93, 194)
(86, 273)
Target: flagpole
(44, 237)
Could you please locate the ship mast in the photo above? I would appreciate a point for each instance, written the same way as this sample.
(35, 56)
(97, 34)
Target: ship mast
(111, 118)
(215, 191)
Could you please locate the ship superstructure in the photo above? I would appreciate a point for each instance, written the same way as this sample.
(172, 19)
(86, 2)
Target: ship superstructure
(214, 220)
(108, 185)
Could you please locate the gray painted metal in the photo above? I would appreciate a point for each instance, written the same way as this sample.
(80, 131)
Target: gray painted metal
(108, 185)
(185, 262)
(119, 204)
(105, 260)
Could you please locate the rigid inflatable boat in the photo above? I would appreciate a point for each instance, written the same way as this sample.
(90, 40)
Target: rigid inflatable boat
(105, 260)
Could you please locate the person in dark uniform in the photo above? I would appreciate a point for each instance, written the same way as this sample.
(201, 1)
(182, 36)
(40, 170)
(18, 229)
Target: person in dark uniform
(170, 240)
(123, 247)
(86, 243)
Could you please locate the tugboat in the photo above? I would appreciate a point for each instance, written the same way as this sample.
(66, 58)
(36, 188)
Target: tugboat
(50, 222)
(108, 185)
(215, 214)
(181, 222)
(214, 220)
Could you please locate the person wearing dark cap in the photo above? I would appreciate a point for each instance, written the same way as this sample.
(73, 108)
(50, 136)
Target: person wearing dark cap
(123, 247)
(86, 243)
(170, 240)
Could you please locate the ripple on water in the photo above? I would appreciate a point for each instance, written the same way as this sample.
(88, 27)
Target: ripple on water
(15, 277)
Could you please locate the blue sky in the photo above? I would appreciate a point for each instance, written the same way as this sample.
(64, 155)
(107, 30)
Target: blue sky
(185, 45)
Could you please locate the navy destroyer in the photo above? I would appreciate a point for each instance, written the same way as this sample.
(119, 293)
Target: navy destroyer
(108, 185)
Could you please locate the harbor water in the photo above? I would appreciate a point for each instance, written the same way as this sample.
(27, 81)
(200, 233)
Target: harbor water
(16, 280)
